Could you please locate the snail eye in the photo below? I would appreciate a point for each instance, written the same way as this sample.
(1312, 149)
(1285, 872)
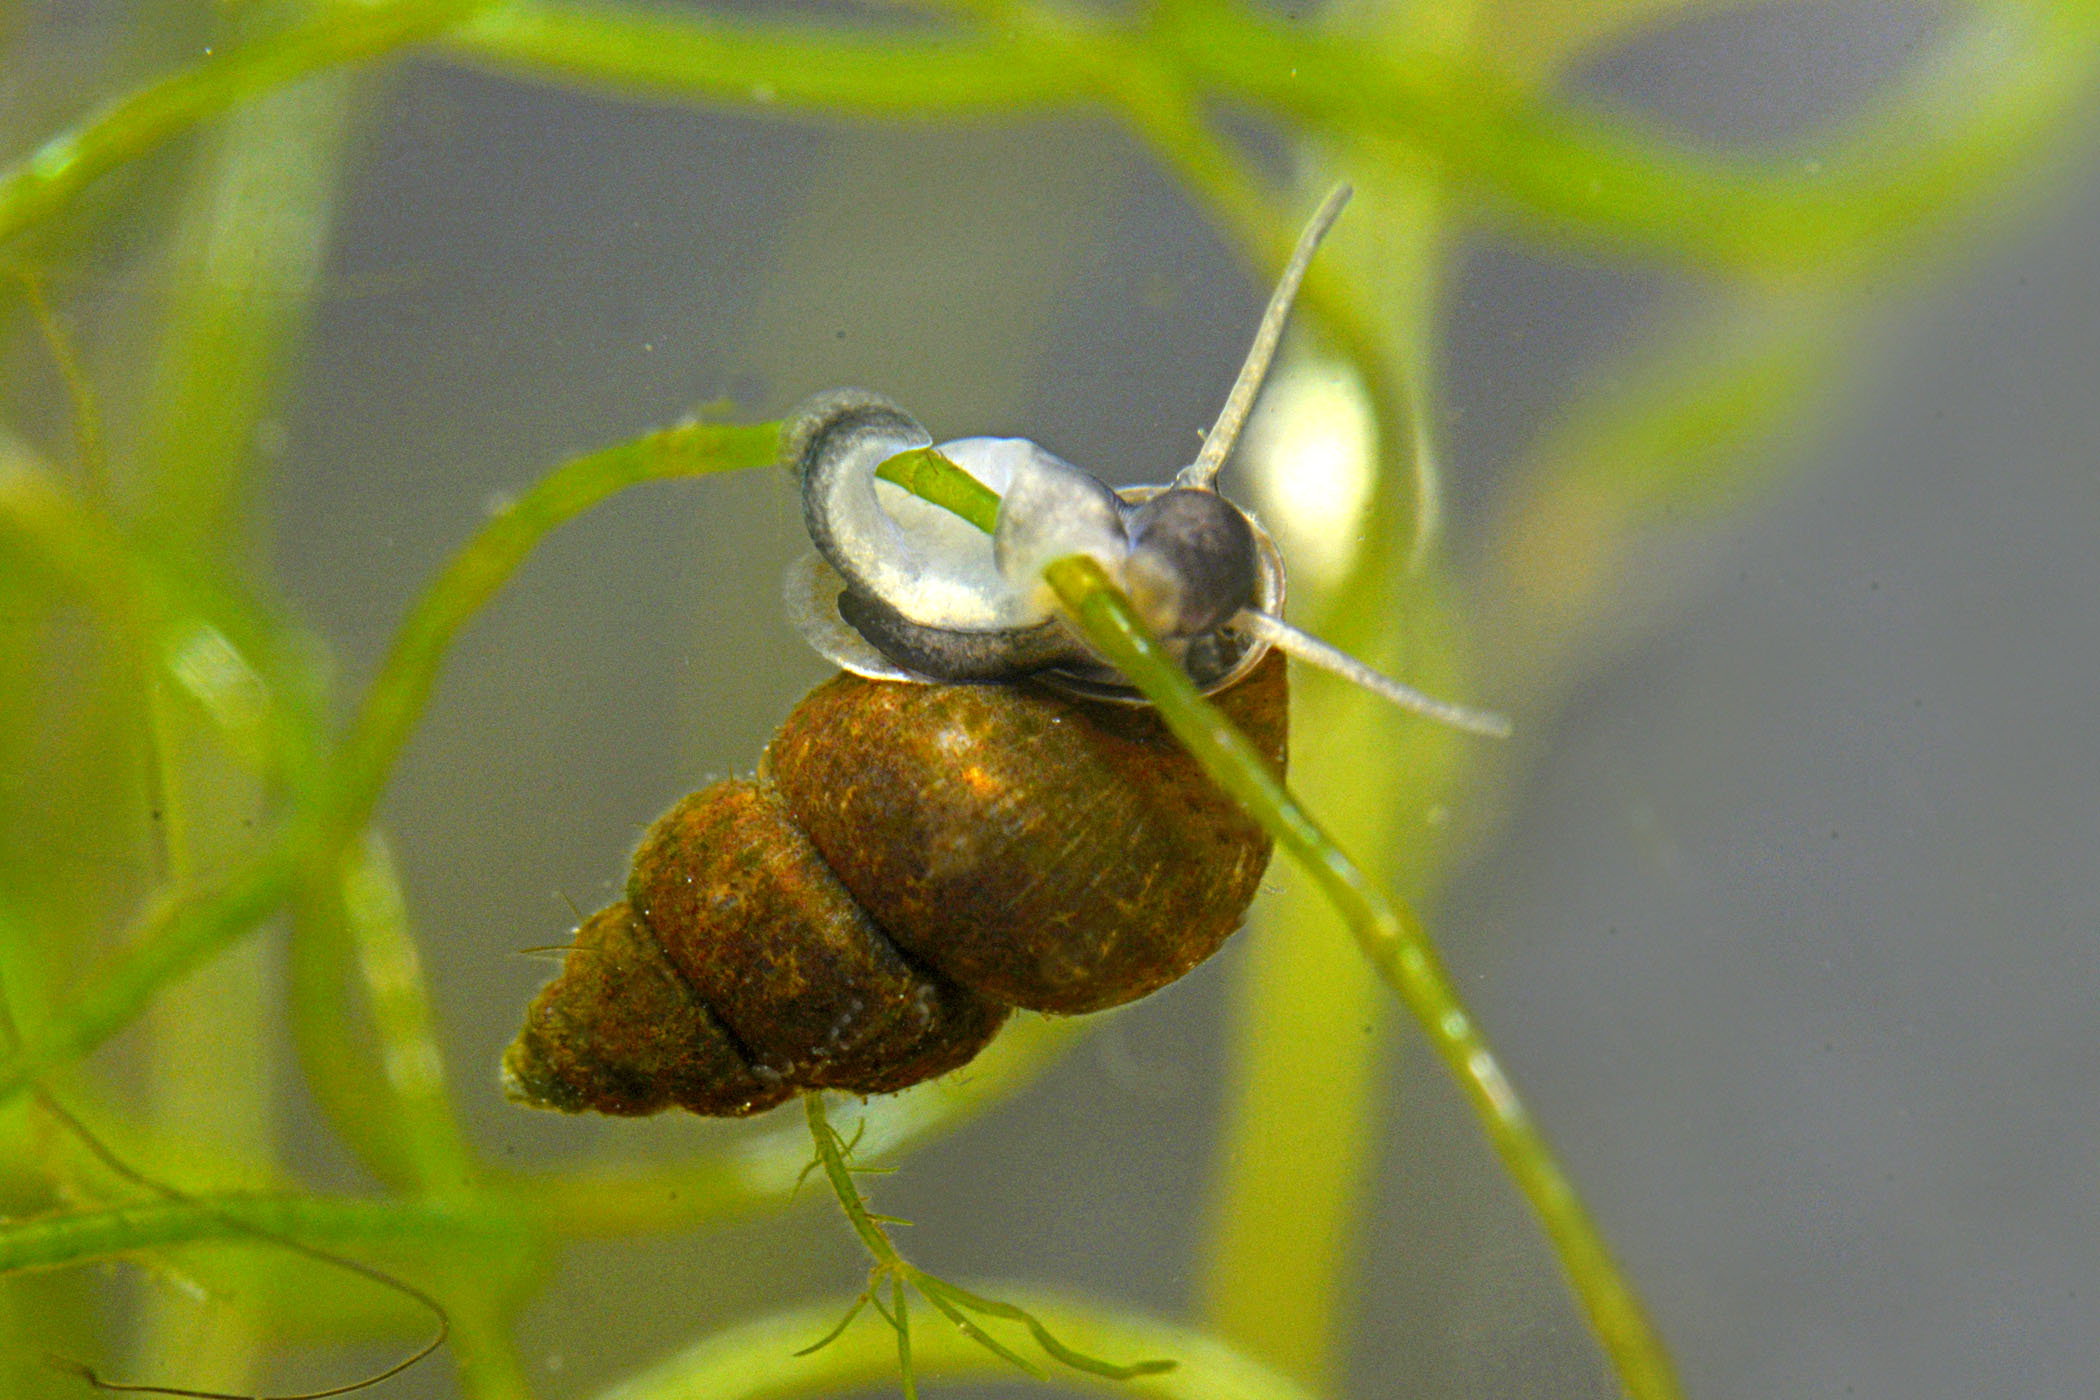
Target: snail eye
(1192, 562)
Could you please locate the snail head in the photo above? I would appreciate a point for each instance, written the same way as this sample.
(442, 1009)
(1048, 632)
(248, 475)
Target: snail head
(901, 588)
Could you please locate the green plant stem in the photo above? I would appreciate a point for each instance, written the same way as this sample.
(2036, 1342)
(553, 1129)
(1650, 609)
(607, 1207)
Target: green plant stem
(189, 926)
(392, 1106)
(184, 929)
(77, 542)
(411, 1066)
(1396, 944)
(485, 1353)
(1286, 1221)
(1581, 176)
(143, 120)
(203, 1078)
(256, 212)
(1287, 1224)
(174, 937)
(1436, 113)
(932, 477)
(695, 56)
(82, 1237)
(339, 1067)
(259, 213)
(832, 1162)
(1675, 431)
(262, 687)
(90, 443)
(745, 1362)
(395, 699)
(1599, 179)
(51, 527)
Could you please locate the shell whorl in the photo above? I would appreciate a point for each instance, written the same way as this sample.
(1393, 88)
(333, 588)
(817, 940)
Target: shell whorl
(736, 972)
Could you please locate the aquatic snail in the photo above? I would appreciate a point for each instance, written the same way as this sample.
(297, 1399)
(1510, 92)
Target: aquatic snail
(975, 815)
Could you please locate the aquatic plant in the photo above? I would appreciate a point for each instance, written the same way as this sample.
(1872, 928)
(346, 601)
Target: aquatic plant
(199, 742)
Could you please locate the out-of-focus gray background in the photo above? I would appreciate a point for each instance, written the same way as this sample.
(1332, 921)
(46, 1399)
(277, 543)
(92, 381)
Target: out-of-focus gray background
(1791, 940)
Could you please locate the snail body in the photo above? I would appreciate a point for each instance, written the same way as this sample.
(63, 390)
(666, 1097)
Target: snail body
(901, 589)
(974, 816)
(978, 815)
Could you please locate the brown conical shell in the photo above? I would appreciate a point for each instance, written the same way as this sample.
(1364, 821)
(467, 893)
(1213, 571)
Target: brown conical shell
(807, 984)
(737, 972)
(620, 1032)
(1051, 853)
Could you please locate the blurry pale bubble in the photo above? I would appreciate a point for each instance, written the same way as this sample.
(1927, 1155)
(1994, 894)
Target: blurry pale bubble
(205, 664)
(1311, 457)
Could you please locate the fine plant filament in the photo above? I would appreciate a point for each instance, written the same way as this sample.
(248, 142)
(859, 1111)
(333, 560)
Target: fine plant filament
(893, 1274)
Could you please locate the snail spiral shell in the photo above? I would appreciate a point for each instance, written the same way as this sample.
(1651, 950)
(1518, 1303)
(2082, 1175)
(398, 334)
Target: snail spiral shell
(911, 862)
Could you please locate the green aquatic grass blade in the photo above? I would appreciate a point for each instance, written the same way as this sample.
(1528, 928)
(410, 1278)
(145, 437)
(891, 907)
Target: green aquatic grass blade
(900, 1318)
(411, 1063)
(184, 929)
(250, 248)
(90, 435)
(696, 56)
(175, 936)
(1909, 165)
(143, 120)
(339, 1063)
(1294, 1173)
(440, 1228)
(1394, 942)
(1681, 427)
(239, 659)
(1397, 945)
(394, 701)
(254, 216)
(1575, 174)
(1587, 178)
(927, 474)
(1674, 436)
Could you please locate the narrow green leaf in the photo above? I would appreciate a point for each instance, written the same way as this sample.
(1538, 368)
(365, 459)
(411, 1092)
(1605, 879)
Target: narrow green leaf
(932, 1288)
(835, 1333)
(144, 119)
(931, 477)
(696, 56)
(1078, 1360)
(906, 1371)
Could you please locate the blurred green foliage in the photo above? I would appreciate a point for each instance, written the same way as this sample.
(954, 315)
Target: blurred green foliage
(171, 778)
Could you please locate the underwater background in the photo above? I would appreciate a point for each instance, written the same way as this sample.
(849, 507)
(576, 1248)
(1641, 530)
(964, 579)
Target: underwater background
(1775, 538)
